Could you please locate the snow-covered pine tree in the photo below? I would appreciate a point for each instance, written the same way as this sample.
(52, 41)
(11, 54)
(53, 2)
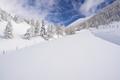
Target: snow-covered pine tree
(32, 22)
(63, 30)
(0, 18)
(5, 16)
(43, 30)
(37, 28)
(8, 33)
(51, 31)
(28, 34)
(59, 30)
(18, 19)
(27, 20)
(70, 31)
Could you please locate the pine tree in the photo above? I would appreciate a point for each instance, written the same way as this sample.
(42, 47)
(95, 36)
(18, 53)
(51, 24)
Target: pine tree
(18, 19)
(59, 30)
(51, 31)
(28, 34)
(8, 31)
(43, 30)
(32, 22)
(70, 31)
(37, 28)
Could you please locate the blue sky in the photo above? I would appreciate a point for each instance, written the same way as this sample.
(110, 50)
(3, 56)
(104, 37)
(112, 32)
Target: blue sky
(56, 11)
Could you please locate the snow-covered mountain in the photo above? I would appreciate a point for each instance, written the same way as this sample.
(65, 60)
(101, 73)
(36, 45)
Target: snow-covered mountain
(29, 49)
(105, 16)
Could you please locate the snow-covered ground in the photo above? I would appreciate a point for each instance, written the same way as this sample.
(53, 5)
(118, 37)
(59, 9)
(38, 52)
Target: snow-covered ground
(82, 56)
(110, 32)
(88, 55)
(17, 42)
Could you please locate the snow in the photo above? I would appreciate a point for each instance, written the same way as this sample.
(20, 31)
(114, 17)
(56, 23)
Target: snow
(92, 54)
(75, 23)
(17, 42)
(82, 56)
(110, 32)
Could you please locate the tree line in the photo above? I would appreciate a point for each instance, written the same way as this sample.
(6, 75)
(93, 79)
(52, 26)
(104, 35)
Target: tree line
(38, 28)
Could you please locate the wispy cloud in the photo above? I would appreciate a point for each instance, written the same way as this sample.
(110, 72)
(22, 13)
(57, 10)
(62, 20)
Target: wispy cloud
(89, 6)
(19, 7)
(42, 8)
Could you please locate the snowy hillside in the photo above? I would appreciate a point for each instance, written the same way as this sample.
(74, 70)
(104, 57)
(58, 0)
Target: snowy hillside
(17, 42)
(109, 32)
(105, 16)
(82, 56)
(77, 22)
(78, 57)
(17, 32)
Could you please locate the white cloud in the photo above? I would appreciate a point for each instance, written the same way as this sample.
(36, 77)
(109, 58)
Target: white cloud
(16, 7)
(89, 6)
(43, 7)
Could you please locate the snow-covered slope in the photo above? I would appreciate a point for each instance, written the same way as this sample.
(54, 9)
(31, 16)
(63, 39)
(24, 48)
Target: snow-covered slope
(79, 21)
(107, 15)
(78, 57)
(20, 26)
(17, 42)
(109, 32)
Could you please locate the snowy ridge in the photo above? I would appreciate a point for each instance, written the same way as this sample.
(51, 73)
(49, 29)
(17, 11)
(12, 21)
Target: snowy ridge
(105, 16)
(75, 23)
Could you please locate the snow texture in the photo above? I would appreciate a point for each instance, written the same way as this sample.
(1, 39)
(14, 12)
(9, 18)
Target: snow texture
(78, 57)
